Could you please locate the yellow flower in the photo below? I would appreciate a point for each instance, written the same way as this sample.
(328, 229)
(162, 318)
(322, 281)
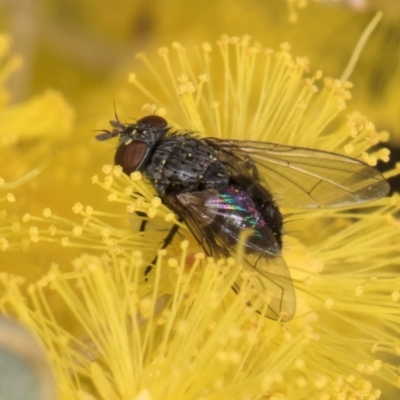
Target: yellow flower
(182, 333)
(377, 72)
(30, 132)
(45, 118)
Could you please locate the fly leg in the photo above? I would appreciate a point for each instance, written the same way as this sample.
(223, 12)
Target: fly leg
(141, 214)
(167, 241)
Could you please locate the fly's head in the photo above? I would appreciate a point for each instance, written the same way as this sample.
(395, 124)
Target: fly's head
(136, 141)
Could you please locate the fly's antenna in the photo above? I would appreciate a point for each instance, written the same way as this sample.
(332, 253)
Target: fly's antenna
(115, 112)
(118, 126)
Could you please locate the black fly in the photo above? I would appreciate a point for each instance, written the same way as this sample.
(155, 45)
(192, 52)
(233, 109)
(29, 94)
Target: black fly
(220, 187)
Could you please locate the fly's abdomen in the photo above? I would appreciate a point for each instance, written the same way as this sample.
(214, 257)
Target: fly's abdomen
(226, 213)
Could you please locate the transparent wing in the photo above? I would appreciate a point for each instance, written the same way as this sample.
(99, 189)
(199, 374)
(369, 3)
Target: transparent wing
(216, 224)
(274, 283)
(301, 177)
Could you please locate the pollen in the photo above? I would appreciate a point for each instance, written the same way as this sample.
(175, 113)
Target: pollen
(144, 395)
(132, 78)
(95, 179)
(105, 233)
(77, 208)
(46, 213)
(128, 190)
(112, 197)
(329, 304)
(108, 181)
(130, 208)
(156, 202)
(77, 230)
(117, 171)
(151, 212)
(395, 295)
(359, 291)
(88, 210)
(4, 244)
(26, 218)
(10, 197)
(169, 217)
(184, 244)
(136, 176)
(107, 169)
(34, 234)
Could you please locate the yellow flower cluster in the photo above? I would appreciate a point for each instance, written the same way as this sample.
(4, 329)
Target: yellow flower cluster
(181, 332)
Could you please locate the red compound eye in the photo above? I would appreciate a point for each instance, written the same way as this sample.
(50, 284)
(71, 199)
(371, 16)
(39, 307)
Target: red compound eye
(154, 120)
(131, 156)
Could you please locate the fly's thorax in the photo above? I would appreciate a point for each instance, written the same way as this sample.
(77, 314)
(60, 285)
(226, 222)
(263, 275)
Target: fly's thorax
(181, 163)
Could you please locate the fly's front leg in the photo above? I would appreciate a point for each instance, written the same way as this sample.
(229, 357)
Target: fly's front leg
(167, 241)
(143, 224)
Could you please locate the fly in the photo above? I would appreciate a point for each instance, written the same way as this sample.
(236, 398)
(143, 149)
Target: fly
(221, 187)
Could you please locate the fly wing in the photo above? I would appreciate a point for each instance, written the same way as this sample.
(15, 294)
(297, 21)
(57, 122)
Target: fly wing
(216, 219)
(273, 282)
(302, 177)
